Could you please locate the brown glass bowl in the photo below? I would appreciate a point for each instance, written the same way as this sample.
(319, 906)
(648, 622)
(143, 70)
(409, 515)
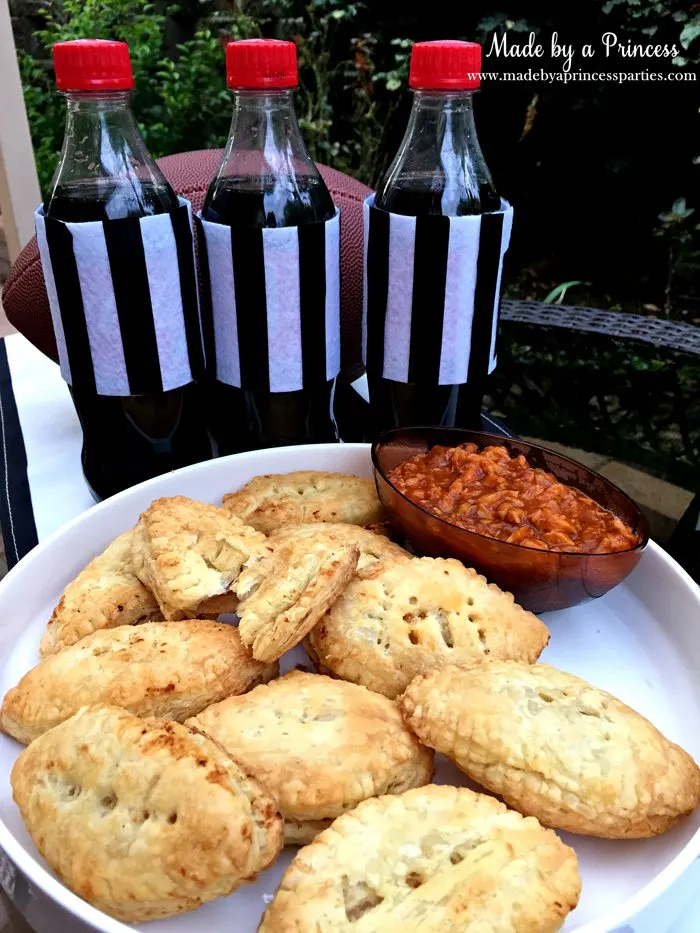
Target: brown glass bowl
(539, 580)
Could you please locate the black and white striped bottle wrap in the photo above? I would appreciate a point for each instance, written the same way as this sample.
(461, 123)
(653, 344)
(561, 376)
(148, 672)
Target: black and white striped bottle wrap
(431, 294)
(124, 301)
(271, 304)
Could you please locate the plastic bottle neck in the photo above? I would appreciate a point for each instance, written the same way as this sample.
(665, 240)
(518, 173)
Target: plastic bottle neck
(86, 102)
(267, 176)
(255, 100)
(439, 167)
(449, 115)
(104, 158)
(264, 125)
(426, 102)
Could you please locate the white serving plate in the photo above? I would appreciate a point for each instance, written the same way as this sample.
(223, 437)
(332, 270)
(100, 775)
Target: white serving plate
(641, 642)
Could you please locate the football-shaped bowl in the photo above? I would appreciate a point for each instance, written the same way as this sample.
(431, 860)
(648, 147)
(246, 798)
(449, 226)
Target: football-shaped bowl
(27, 306)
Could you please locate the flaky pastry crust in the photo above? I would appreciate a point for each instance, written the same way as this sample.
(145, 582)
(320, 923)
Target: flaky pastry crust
(372, 546)
(283, 595)
(189, 553)
(106, 593)
(431, 860)
(143, 818)
(267, 502)
(320, 746)
(553, 746)
(302, 832)
(396, 620)
(167, 669)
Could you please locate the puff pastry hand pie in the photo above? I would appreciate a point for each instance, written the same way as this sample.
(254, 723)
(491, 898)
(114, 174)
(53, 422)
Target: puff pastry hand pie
(372, 546)
(320, 746)
(284, 595)
(189, 553)
(140, 817)
(399, 619)
(553, 746)
(267, 502)
(106, 593)
(431, 860)
(168, 669)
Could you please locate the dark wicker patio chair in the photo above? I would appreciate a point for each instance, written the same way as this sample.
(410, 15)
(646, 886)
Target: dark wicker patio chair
(618, 384)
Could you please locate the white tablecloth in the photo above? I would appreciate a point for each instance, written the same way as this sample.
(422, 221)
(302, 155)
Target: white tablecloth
(35, 406)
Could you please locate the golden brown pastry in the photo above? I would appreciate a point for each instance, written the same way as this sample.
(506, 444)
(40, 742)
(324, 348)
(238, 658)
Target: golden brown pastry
(190, 553)
(320, 746)
(302, 832)
(168, 669)
(140, 817)
(553, 746)
(372, 546)
(399, 619)
(106, 593)
(431, 860)
(267, 502)
(283, 595)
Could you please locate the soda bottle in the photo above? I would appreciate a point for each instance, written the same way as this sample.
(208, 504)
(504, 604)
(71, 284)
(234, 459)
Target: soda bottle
(105, 172)
(266, 179)
(438, 170)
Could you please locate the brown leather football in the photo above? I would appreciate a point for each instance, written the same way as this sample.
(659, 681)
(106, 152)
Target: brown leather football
(27, 307)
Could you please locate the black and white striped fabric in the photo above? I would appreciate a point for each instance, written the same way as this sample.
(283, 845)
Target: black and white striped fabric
(271, 304)
(431, 294)
(124, 301)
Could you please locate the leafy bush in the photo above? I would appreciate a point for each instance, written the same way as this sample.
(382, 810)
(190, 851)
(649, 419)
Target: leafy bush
(628, 149)
(180, 98)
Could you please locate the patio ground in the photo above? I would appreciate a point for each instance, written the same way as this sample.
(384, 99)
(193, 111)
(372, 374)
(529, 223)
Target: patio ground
(662, 502)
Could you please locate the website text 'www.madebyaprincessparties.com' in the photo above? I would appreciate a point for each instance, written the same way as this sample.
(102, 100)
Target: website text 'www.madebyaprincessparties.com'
(567, 77)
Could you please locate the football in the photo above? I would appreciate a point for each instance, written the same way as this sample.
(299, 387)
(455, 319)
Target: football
(26, 304)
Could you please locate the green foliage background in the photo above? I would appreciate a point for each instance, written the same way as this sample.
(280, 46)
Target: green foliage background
(181, 99)
(545, 144)
(604, 177)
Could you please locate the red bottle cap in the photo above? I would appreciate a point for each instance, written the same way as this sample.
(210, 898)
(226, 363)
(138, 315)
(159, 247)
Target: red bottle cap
(261, 63)
(92, 65)
(445, 65)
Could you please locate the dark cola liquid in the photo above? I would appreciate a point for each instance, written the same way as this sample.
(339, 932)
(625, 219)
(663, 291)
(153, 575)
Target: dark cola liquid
(130, 439)
(268, 202)
(248, 419)
(102, 199)
(414, 198)
(397, 404)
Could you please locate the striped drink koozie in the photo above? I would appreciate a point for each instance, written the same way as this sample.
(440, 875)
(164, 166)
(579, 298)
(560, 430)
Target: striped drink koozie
(269, 247)
(96, 274)
(435, 236)
(117, 253)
